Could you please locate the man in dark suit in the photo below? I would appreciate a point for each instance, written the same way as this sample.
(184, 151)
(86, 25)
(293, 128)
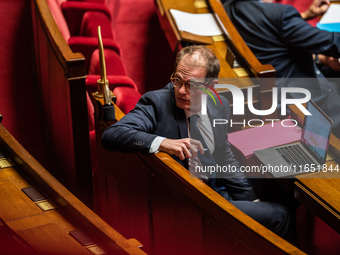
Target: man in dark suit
(159, 123)
(279, 36)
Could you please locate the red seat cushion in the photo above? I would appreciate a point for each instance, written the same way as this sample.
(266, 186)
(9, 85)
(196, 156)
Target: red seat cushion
(86, 45)
(91, 21)
(114, 81)
(74, 11)
(93, 1)
(122, 86)
(114, 64)
(126, 98)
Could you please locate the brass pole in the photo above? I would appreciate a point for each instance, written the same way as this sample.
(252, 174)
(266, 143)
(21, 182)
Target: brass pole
(103, 83)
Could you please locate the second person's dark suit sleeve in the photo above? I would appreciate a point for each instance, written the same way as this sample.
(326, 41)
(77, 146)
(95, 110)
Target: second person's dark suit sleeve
(299, 34)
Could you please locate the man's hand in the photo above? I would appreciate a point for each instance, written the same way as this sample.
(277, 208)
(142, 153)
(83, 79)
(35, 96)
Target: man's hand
(182, 148)
(317, 8)
(330, 62)
(195, 147)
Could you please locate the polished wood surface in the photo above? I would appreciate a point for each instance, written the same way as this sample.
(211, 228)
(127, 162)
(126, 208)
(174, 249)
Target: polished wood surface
(156, 200)
(320, 191)
(27, 229)
(62, 95)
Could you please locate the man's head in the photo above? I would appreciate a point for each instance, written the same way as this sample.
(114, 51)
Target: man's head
(193, 62)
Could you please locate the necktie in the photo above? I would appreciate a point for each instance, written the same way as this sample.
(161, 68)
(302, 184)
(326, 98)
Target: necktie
(206, 158)
(236, 184)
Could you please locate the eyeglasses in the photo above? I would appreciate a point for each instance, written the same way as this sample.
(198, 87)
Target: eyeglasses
(189, 86)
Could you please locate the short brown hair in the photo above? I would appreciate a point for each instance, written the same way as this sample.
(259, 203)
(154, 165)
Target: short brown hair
(212, 64)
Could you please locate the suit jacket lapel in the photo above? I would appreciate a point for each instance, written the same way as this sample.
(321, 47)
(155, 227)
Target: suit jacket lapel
(183, 127)
(180, 118)
(218, 131)
(213, 113)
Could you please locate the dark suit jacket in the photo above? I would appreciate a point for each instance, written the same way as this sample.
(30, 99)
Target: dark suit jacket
(156, 114)
(278, 35)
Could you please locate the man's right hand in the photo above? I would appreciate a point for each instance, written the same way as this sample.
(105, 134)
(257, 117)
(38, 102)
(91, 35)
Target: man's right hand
(331, 62)
(318, 7)
(182, 148)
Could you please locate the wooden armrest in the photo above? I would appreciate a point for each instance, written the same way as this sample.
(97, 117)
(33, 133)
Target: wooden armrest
(70, 213)
(236, 43)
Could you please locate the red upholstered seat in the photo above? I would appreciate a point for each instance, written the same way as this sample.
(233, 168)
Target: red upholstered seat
(92, 1)
(126, 98)
(114, 64)
(83, 20)
(74, 11)
(87, 45)
(114, 81)
(79, 28)
(87, 42)
(90, 22)
(112, 5)
(123, 87)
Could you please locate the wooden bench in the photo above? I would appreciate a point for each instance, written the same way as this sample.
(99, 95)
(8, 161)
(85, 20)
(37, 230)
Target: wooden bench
(154, 198)
(38, 215)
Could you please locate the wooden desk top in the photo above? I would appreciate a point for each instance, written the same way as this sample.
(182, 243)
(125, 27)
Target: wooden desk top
(44, 223)
(325, 186)
(320, 191)
(321, 195)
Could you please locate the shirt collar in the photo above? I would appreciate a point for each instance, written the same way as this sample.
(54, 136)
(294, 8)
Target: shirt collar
(188, 113)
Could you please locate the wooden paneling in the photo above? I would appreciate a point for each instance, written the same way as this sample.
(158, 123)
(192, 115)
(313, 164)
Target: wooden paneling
(61, 80)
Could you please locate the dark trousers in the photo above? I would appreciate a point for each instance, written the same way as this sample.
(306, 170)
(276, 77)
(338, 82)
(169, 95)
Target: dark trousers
(276, 211)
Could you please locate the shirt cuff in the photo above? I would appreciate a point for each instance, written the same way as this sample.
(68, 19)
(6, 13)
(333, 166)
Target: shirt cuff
(155, 144)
